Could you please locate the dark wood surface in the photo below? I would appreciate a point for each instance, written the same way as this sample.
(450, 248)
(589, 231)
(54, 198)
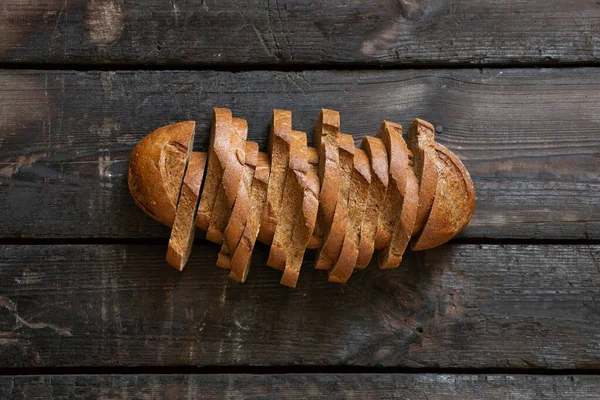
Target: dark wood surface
(88, 305)
(391, 32)
(457, 306)
(302, 386)
(529, 138)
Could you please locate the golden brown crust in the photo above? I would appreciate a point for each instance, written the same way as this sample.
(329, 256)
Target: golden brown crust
(357, 201)
(291, 202)
(334, 236)
(153, 186)
(420, 141)
(222, 126)
(241, 209)
(453, 204)
(376, 151)
(183, 232)
(279, 150)
(240, 261)
(233, 162)
(402, 192)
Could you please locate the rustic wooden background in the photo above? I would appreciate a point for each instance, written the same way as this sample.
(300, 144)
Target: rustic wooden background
(88, 306)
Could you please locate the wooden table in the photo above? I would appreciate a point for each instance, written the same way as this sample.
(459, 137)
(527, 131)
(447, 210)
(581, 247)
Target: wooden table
(508, 309)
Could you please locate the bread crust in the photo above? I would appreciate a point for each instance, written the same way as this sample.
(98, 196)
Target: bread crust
(291, 203)
(222, 126)
(402, 192)
(334, 237)
(156, 168)
(279, 150)
(357, 201)
(375, 149)
(241, 208)
(420, 140)
(240, 260)
(184, 227)
(454, 201)
(233, 167)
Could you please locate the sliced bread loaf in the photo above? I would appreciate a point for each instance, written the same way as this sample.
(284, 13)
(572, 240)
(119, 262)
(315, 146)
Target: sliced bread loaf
(222, 127)
(398, 219)
(375, 150)
(333, 238)
(242, 255)
(357, 202)
(156, 169)
(308, 185)
(230, 183)
(420, 140)
(453, 204)
(241, 209)
(291, 202)
(184, 228)
(279, 152)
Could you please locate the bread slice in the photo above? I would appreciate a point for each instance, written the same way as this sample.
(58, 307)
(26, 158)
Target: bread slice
(334, 237)
(399, 218)
(232, 176)
(240, 261)
(241, 209)
(279, 151)
(420, 140)
(357, 201)
(184, 227)
(156, 169)
(218, 150)
(375, 149)
(291, 202)
(453, 204)
(326, 141)
(316, 240)
(308, 185)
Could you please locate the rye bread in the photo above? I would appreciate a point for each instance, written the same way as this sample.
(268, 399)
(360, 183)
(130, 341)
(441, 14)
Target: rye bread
(240, 261)
(230, 182)
(357, 201)
(420, 140)
(222, 127)
(291, 202)
(184, 227)
(241, 209)
(305, 224)
(453, 204)
(156, 169)
(399, 218)
(334, 236)
(279, 152)
(375, 150)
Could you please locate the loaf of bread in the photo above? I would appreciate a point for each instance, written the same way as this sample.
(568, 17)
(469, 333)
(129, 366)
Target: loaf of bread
(347, 202)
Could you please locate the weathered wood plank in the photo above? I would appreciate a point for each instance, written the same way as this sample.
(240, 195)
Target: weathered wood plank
(458, 306)
(529, 138)
(301, 386)
(402, 32)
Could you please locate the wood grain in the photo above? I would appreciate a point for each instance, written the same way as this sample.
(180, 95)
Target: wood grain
(390, 32)
(301, 386)
(529, 137)
(458, 306)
